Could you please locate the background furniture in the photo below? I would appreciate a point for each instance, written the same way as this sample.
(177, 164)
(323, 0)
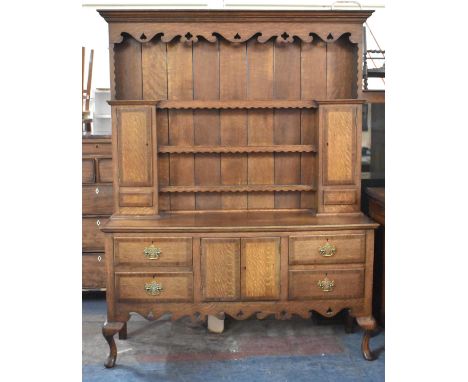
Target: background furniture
(97, 206)
(376, 196)
(237, 154)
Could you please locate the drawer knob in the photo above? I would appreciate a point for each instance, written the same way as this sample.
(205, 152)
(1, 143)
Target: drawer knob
(97, 190)
(99, 258)
(326, 284)
(327, 250)
(152, 252)
(153, 288)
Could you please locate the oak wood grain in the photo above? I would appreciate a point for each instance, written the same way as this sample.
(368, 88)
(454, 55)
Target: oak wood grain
(260, 263)
(220, 267)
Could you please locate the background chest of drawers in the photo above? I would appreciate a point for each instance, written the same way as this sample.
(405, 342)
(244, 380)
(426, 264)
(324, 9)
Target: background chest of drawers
(96, 207)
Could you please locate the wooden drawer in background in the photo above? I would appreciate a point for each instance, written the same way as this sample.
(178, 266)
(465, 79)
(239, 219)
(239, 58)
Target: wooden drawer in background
(92, 237)
(176, 286)
(104, 166)
(97, 147)
(93, 271)
(160, 251)
(347, 283)
(327, 249)
(88, 175)
(98, 200)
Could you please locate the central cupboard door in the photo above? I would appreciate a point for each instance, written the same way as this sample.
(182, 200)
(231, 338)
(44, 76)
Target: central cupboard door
(240, 269)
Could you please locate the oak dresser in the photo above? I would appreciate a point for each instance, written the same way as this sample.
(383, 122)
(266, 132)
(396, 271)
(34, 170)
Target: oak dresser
(236, 172)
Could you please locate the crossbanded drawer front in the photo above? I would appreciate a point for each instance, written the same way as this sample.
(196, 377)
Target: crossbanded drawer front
(327, 249)
(326, 284)
(93, 271)
(160, 286)
(98, 200)
(92, 236)
(153, 252)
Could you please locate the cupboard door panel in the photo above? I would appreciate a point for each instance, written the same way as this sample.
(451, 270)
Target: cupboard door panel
(339, 146)
(260, 275)
(220, 269)
(134, 146)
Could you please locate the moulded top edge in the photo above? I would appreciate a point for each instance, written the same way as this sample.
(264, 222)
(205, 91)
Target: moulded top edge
(201, 16)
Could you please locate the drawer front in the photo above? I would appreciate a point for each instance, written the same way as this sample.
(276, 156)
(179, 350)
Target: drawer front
(155, 251)
(326, 284)
(97, 148)
(327, 249)
(93, 271)
(98, 200)
(105, 170)
(93, 238)
(161, 286)
(88, 175)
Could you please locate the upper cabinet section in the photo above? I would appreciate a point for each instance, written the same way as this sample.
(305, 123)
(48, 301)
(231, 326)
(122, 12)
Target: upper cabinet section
(155, 55)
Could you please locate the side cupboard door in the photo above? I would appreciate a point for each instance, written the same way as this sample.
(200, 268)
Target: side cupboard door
(135, 147)
(339, 158)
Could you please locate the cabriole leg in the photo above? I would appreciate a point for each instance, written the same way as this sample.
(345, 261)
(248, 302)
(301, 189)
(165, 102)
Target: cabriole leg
(109, 329)
(369, 325)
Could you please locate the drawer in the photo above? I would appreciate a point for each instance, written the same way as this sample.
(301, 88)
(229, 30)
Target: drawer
(327, 248)
(161, 286)
(87, 167)
(97, 148)
(105, 170)
(326, 284)
(153, 251)
(93, 238)
(98, 200)
(93, 271)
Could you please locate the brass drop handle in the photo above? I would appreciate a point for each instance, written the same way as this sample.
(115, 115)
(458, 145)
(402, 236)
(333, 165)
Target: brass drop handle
(327, 250)
(153, 288)
(152, 252)
(326, 284)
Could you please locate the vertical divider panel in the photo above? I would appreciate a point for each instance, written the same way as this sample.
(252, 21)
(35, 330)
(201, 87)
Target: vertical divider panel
(233, 123)
(261, 168)
(287, 85)
(206, 122)
(180, 87)
(313, 86)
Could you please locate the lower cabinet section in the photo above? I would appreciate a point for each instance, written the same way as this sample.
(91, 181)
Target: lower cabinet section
(161, 286)
(326, 284)
(93, 271)
(327, 267)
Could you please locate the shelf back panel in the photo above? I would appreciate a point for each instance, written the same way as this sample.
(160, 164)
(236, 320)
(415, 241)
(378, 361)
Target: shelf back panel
(222, 70)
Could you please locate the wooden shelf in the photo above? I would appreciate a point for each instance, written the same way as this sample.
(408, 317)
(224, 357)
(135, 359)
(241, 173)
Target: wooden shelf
(238, 188)
(238, 149)
(240, 104)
